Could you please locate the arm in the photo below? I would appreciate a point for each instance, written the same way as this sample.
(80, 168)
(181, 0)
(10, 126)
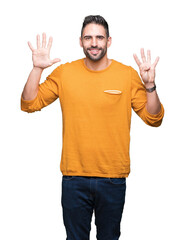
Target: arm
(41, 60)
(31, 87)
(153, 104)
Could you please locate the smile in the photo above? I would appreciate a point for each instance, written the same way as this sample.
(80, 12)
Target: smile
(94, 51)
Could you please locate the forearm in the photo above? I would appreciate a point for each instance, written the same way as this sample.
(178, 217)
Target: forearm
(31, 87)
(153, 104)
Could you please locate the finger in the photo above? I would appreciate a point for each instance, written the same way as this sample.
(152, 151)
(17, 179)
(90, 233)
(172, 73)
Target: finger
(56, 60)
(148, 56)
(44, 40)
(38, 41)
(30, 46)
(50, 43)
(143, 55)
(137, 59)
(156, 61)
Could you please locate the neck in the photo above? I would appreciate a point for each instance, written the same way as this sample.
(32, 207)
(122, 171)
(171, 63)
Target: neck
(97, 65)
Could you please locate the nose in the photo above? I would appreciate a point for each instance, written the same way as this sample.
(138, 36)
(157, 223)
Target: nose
(94, 42)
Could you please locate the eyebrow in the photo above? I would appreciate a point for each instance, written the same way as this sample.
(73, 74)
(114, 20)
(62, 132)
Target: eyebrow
(96, 36)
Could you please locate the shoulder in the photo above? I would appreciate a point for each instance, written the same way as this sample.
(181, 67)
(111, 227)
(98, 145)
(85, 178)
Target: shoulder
(121, 66)
(128, 71)
(72, 65)
(66, 67)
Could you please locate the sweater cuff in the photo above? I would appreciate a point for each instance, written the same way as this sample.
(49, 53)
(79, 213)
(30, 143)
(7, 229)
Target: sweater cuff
(159, 115)
(26, 103)
(154, 120)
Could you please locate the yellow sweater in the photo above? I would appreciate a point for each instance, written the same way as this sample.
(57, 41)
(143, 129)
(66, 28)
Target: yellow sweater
(96, 122)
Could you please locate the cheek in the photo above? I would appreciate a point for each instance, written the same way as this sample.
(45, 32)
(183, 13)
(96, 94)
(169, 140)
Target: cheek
(103, 45)
(85, 45)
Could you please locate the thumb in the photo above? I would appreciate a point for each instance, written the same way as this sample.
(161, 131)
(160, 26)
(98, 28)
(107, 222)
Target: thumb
(55, 60)
(146, 67)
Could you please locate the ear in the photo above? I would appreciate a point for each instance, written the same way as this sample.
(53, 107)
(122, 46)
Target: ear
(109, 42)
(80, 41)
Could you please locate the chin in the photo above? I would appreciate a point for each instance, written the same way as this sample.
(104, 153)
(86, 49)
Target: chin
(95, 59)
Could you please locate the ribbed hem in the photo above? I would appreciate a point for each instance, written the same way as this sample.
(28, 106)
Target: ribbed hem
(108, 175)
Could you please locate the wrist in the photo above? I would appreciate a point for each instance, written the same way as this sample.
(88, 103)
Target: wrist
(150, 89)
(37, 69)
(149, 85)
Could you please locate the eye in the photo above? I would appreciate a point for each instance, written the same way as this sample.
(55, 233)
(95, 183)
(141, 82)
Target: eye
(101, 37)
(87, 38)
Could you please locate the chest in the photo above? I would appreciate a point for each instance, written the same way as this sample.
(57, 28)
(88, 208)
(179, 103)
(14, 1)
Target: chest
(96, 91)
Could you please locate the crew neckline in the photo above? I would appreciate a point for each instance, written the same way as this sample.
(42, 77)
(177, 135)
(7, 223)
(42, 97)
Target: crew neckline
(97, 71)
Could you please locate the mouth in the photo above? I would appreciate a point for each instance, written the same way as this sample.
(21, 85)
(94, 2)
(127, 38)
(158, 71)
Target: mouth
(94, 51)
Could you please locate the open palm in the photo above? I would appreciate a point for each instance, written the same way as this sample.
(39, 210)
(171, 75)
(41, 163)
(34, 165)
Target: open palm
(147, 70)
(41, 55)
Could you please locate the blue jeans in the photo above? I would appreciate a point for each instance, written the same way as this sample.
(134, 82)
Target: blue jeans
(82, 195)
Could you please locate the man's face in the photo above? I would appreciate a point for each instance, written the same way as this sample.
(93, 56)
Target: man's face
(94, 41)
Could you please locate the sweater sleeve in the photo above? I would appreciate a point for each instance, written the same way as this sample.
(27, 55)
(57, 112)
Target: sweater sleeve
(139, 100)
(48, 92)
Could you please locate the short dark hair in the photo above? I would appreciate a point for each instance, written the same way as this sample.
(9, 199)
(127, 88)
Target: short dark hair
(97, 19)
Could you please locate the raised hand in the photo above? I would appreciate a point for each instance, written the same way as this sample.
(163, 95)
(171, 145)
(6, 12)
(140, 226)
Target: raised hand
(41, 55)
(147, 70)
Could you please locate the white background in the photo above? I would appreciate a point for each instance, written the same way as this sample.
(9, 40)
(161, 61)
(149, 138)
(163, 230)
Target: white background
(31, 144)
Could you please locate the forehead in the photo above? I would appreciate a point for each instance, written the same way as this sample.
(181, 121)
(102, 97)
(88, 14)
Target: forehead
(94, 29)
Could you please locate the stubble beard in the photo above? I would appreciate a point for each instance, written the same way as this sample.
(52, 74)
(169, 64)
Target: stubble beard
(95, 58)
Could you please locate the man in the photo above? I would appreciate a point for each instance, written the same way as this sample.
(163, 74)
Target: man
(96, 96)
